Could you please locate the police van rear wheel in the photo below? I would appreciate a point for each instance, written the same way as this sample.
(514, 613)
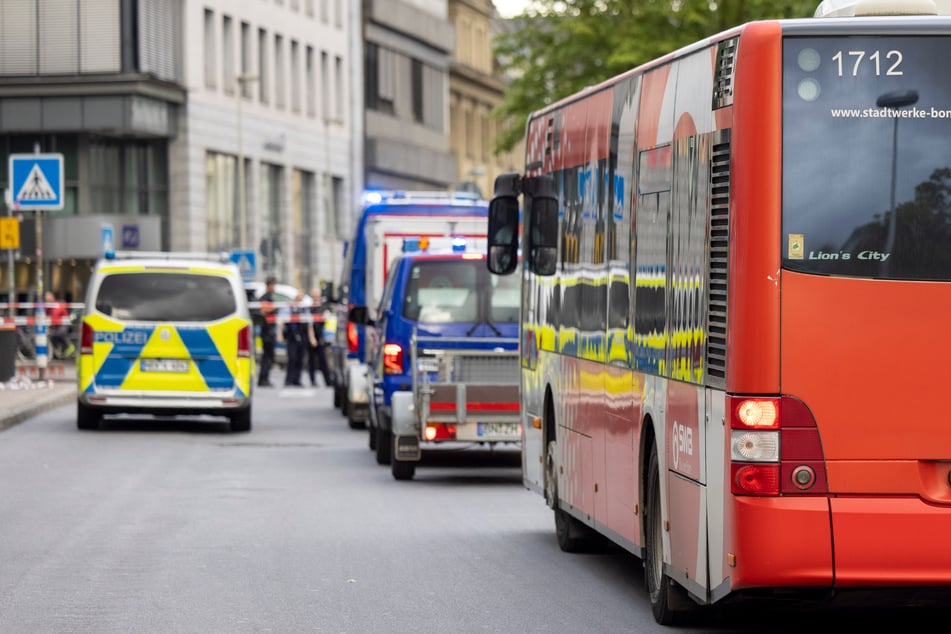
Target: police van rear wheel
(86, 417)
(241, 421)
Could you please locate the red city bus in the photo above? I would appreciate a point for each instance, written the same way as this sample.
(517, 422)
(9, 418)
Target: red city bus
(736, 278)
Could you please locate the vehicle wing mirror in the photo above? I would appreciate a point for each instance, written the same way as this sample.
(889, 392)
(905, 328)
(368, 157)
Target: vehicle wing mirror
(502, 256)
(542, 203)
(360, 315)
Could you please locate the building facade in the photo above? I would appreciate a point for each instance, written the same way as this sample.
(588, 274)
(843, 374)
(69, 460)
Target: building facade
(407, 48)
(155, 103)
(475, 89)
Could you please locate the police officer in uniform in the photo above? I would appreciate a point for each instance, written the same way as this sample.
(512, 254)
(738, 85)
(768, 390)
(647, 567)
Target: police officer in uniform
(268, 330)
(317, 351)
(295, 333)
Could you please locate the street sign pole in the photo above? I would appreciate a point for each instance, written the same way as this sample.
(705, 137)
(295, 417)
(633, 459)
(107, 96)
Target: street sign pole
(11, 257)
(42, 358)
(36, 183)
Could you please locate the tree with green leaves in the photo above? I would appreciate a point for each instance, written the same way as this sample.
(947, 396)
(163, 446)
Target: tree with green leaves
(558, 47)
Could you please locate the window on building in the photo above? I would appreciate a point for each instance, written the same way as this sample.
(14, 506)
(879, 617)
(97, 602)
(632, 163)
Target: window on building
(227, 54)
(128, 177)
(264, 75)
(221, 194)
(338, 88)
(338, 14)
(311, 82)
(309, 8)
(463, 38)
(434, 98)
(302, 210)
(325, 11)
(295, 76)
(280, 73)
(59, 38)
(270, 248)
(211, 60)
(380, 78)
(246, 87)
(338, 211)
(324, 85)
(481, 53)
(416, 86)
(470, 133)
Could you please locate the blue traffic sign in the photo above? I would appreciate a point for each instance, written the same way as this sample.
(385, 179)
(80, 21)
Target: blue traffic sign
(36, 181)
(246, 264)
(108, 241)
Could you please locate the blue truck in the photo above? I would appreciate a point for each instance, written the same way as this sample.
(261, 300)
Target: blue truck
(443, 357)
(387, 219)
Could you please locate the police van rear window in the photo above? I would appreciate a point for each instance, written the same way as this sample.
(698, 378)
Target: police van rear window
(166, 297)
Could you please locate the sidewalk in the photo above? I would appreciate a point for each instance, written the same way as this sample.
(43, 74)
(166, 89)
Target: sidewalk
(25, 396)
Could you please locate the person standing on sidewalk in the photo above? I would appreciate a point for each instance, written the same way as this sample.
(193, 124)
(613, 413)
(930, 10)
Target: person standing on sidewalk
(268, 328)
(58, 316)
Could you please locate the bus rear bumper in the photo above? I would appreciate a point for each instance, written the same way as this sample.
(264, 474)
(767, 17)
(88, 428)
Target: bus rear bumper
(844, 542)
(892, 541)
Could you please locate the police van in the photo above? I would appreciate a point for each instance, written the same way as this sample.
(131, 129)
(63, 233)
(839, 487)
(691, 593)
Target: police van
(165, 334)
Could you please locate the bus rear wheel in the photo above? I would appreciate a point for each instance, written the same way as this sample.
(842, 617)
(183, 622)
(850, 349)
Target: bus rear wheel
(572, 535)
(669, 602)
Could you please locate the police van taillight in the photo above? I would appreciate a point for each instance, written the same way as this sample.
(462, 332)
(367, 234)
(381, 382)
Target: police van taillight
(775, 448)
(86, 339)
(392, 358)
(244, 342)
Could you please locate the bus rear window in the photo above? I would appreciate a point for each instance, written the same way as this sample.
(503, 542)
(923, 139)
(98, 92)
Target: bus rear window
(866, 158)
(166, 297)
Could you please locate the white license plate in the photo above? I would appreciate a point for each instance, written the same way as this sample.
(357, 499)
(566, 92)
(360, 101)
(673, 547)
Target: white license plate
(506, 430)
(164, 365)
(427, 365)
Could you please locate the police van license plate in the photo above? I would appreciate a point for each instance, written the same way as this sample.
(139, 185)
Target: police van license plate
(164, 365)
(496, 430)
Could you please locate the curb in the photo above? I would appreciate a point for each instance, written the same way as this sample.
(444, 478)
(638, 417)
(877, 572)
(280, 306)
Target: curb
(51, 399)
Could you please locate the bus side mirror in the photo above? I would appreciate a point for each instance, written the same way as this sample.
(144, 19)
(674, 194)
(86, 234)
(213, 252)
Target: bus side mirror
(543, 226)
(503, 225)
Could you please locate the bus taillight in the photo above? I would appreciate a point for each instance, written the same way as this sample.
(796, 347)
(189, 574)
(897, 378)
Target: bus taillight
(775, 448)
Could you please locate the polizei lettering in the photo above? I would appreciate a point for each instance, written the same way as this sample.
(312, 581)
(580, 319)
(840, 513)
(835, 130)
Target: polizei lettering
(122, 337)
(842, 255)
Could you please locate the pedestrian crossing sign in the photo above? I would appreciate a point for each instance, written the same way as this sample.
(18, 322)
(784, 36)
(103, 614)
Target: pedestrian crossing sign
(36, 181)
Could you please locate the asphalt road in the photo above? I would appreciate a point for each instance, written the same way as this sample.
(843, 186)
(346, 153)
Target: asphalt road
(180, 526)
